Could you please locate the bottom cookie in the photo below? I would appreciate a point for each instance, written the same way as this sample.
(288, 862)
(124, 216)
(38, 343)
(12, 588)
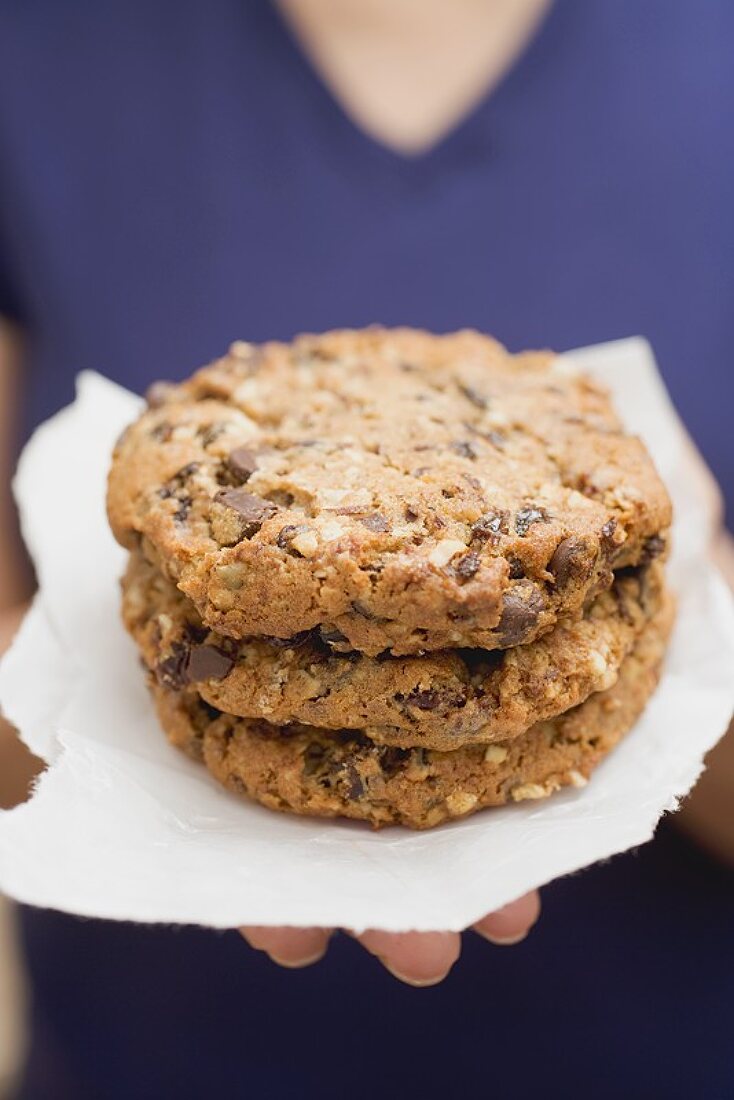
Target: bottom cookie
(326, 773)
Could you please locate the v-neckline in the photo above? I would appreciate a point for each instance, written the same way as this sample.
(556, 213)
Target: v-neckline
(366, 144)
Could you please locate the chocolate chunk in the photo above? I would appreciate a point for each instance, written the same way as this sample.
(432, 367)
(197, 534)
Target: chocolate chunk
(288, 533)
(210, 433)
(607, 537)
(490, 527)
(196, 633)
(517, 569)
(207, 662)
(183, 509)
(179, 479)
(570, 561)
(158, 393)
(171, 670)
(423, 699)
(468, 565)
(392, 759)
(526, 517)
(521, 608)
(242, 462)
(253, 510)
(465, 449)
(175, 485)
(479, 399)
(375, 522)
(354, 784)
(410, 515)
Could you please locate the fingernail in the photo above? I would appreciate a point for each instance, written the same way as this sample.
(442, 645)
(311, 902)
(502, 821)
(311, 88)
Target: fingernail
(417, 983)
(297, 964)
(502, 941)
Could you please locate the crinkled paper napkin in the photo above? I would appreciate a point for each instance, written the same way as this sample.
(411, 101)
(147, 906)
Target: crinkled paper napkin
(123, 826)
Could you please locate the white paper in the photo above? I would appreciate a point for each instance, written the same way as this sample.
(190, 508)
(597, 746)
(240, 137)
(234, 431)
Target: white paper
(123, 826)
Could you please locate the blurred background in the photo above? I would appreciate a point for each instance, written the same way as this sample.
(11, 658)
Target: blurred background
(176, 174)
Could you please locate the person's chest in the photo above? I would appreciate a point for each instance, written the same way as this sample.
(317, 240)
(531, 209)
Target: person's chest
(214, 193)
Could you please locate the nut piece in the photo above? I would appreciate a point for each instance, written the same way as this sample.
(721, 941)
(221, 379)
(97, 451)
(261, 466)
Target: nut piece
(443, 551)
(329, 530)
(461, 802)
(598, 662)
(231, 576)
(529, 790)
(306, 543)
(576, 779)
(606, 676)
(495, 754)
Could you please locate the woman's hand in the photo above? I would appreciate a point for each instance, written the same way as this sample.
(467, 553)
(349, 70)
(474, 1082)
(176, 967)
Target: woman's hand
(418, 958)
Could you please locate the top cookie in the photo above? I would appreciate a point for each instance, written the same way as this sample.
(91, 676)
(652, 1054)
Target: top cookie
(401, 491)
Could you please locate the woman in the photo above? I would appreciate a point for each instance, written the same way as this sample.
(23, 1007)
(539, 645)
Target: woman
(178, 174)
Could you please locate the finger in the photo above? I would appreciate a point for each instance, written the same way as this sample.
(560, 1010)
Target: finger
(292, 947)
(511, 923)
(418, 958)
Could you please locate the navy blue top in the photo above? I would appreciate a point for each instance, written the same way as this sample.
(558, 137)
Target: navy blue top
(173, 175)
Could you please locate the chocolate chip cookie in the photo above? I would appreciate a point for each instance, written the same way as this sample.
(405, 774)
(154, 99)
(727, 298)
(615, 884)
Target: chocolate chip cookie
(398, 491)
(442, 700)
(306, 770)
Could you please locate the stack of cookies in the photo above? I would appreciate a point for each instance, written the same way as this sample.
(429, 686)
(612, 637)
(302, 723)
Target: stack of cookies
(392, 576)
